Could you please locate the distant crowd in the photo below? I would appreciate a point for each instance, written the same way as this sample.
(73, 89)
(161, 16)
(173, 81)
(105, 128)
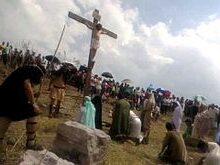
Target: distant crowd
(14, 57)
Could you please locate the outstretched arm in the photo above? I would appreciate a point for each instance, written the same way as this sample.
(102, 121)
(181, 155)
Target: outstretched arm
(103, 32)
(109, 33)
(89, 25)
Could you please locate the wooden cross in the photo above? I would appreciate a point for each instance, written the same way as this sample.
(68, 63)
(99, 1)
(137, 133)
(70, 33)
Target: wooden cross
(97, 30)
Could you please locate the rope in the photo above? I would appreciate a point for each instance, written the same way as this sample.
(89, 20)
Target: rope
(19, 139)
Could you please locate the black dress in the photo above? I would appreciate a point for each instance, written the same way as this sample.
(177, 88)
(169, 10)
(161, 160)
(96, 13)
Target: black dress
(13, 100)
(97, 101)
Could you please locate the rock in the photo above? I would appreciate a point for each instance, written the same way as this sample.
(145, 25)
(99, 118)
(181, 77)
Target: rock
(42, 158)
(77, 143)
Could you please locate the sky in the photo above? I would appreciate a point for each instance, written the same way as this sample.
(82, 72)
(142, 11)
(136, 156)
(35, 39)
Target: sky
(173, 44)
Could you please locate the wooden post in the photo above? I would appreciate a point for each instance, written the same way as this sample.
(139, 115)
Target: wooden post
(90, 63)
(58, 44)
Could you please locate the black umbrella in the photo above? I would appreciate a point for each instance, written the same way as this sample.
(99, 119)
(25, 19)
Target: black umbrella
(52, 58)
(107, 75)
(69, 65)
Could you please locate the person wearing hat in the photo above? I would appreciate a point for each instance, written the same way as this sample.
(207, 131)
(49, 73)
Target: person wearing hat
(17, 98)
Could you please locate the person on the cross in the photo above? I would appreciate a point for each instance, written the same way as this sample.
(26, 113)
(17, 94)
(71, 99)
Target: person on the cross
(95, 38)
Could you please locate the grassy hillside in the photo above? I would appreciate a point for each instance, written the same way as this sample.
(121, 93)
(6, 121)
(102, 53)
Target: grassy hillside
(118, 154)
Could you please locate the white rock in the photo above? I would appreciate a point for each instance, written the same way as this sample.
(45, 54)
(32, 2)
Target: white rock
(86, 145)
(44, 157)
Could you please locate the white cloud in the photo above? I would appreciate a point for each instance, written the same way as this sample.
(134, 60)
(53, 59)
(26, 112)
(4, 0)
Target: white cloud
(186, 62)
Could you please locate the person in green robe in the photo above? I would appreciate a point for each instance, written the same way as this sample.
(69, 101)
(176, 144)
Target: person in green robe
(120, 118)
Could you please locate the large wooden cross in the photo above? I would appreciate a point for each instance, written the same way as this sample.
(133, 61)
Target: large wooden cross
(97, 29)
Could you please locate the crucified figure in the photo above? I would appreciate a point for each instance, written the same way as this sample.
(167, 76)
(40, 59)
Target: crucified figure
(97, 31)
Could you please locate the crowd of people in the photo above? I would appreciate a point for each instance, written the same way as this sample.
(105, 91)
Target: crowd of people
(199, 118)
(14, 57)
(28, 71)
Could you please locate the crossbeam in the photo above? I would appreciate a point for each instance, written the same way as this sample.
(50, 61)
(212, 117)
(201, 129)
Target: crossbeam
(87, 22)
(97, 30)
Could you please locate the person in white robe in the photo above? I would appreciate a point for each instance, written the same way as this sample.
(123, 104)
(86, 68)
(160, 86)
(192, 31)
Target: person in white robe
(177, 116)
(203, 121)
(135, 127)
(213, 153)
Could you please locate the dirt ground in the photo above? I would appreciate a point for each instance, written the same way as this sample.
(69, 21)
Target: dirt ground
(117, 154)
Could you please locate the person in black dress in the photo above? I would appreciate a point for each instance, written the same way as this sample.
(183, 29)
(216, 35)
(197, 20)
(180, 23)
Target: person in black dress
(18, 103)
(97, 101)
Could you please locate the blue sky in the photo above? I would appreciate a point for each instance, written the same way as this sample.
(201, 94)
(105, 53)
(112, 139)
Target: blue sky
(181, 13)
(173, 44)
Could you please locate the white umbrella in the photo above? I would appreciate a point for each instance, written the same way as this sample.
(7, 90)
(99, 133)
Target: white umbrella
(127, 81)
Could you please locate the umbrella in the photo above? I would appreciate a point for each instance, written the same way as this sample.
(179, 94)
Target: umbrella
(53, 58)
(69, 65)
(161, 90)
(167, 93)
(150, 88)
(200, 99)
(107, 75)
(126, 81)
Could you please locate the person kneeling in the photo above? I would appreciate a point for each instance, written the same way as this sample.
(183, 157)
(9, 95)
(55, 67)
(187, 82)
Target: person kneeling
(135, 128)
(120, 119)
(173, 150)
(213, 153)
